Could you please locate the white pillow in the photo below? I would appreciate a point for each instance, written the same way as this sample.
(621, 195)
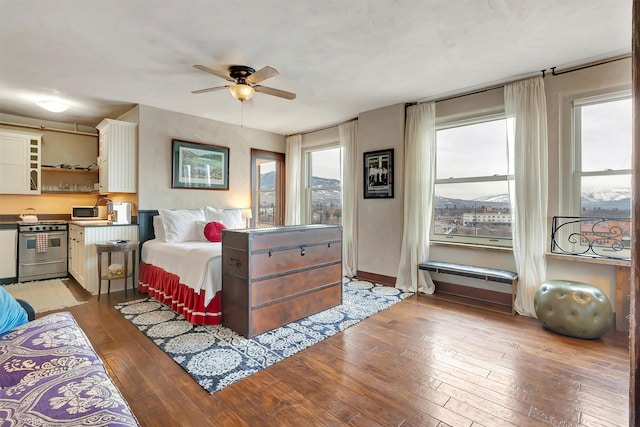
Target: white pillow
(200, 225)
(158, 228)
(180, 224)
(231, 218)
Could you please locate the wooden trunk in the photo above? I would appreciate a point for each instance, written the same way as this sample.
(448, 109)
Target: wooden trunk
(274, 276)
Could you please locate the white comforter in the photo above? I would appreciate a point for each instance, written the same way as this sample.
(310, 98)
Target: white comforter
(198, 264)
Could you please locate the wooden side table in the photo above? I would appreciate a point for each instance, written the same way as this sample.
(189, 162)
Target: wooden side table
(126, 248)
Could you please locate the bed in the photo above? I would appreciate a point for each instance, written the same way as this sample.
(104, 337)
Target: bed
(179, 266)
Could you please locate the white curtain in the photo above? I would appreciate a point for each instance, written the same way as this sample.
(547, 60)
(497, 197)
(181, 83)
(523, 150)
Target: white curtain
(293, 160)
(526, 110)
(419, 176)
(348, 142)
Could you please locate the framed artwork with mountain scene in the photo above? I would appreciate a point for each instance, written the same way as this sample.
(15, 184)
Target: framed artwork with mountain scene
(378, 174)
(199, 166)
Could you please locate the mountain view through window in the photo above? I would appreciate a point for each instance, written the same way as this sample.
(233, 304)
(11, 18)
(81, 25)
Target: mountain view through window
(324, 186)
(471, 194)
(323, 192)
(603, 131)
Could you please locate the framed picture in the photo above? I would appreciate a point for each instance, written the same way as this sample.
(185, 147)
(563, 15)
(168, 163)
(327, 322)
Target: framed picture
(199, 166)
(378, 174)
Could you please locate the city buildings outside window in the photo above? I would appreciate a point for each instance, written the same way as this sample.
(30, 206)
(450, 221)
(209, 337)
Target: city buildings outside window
(471, 194)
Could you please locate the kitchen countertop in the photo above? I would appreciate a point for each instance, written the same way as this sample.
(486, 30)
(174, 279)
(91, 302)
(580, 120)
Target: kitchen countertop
(13, 225)
(97, 223)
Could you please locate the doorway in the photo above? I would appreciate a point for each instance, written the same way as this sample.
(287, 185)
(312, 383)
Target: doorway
(267, 188)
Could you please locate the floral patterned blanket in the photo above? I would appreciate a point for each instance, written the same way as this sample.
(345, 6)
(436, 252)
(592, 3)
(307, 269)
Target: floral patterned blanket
(51, 375)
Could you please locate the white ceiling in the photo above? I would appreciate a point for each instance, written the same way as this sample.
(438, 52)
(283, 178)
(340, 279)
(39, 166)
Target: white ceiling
(341, 57)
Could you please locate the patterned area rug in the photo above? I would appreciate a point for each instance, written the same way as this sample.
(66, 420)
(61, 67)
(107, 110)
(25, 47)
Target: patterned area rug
(216, 356)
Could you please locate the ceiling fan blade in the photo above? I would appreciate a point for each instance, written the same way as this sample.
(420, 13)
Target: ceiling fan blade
(214, 72)
(262, 74)
(210, 89)
(275, 92)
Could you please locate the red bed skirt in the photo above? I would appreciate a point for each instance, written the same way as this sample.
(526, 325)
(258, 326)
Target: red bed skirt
(166, 288)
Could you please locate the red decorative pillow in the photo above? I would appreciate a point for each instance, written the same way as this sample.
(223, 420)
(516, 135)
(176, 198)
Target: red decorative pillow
(213, 231)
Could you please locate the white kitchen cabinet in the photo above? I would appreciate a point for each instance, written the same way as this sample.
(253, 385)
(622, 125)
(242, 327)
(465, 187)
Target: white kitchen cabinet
(76, 253)
(83, 259)
(9, 246)
(118, 156)
(19, 162)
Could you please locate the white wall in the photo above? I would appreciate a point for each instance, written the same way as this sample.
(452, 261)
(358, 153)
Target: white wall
(380, 220)
(321, 137)
(156, 129)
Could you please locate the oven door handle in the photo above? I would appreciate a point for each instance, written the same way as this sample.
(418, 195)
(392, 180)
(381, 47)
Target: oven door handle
(43, 262)
(35, 234)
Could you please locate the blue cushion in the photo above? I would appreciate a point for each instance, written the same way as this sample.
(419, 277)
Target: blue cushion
(11, 312)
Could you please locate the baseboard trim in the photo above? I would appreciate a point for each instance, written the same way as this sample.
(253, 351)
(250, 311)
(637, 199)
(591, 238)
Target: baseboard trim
(470, 302)
(376, 278)
(479, 294)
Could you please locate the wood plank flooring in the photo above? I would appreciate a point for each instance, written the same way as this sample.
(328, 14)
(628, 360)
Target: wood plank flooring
(422, 362)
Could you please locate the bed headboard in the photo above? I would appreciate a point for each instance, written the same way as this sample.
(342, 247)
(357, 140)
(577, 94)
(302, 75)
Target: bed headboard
(145, 225)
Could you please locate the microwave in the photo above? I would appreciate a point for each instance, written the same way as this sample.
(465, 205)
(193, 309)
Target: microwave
(79, 213)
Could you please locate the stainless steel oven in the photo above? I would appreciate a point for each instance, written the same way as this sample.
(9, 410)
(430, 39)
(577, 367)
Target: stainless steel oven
(42, 250)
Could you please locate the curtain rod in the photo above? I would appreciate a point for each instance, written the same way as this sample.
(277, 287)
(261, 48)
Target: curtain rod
(589, 65)
(325, 128)
(473, 92)
(20, 125)
(486, 89)
(501, 85)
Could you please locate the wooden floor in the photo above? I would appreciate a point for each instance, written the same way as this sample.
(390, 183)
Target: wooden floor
(422, 362)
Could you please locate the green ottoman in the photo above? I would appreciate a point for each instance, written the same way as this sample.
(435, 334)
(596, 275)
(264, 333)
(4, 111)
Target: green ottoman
(572, 308)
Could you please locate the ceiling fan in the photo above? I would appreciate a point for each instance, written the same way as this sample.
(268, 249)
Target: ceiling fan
(245, 81)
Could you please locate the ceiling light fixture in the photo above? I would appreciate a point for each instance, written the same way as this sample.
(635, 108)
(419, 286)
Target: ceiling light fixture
(242, 91)
(53, 105)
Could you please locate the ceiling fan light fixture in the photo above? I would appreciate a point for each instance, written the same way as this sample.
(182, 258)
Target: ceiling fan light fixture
(242, 91)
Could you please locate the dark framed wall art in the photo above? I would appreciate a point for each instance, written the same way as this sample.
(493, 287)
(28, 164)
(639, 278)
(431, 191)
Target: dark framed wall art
(200, 166)
(378, 174)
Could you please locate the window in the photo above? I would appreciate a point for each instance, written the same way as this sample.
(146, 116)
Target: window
(471, 193)
(599, 186)
(602, 156)
(267, 181)
(324, 186)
